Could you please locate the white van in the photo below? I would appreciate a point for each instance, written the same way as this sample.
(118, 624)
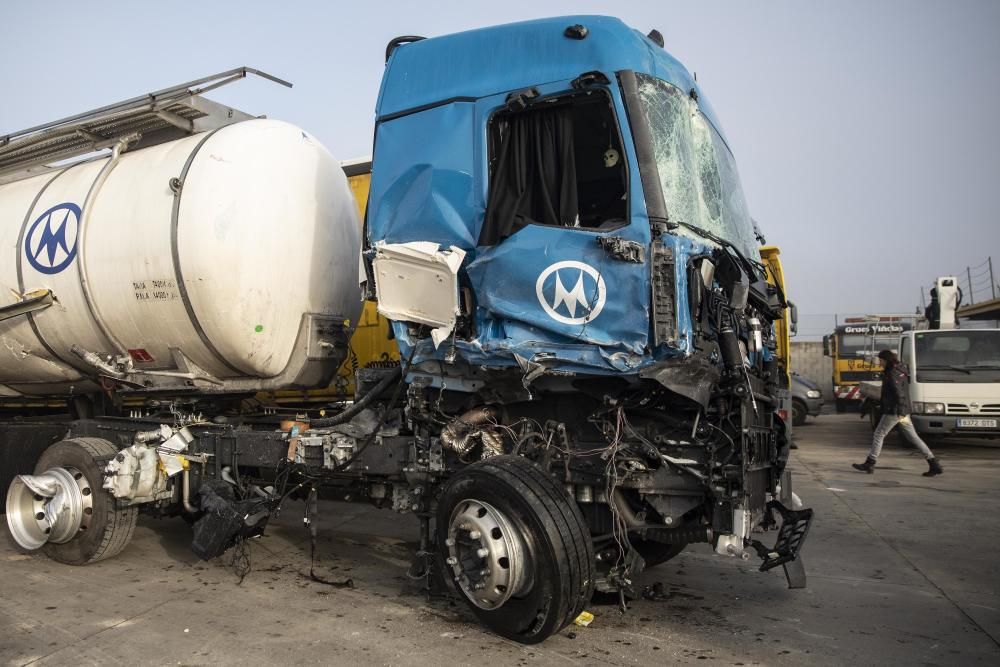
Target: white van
(954, 380)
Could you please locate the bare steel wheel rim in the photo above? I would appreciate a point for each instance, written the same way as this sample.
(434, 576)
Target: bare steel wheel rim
(54, 506)
(486, 554)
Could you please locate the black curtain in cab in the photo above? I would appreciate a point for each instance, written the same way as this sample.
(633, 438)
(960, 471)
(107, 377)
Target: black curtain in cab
(535, 178)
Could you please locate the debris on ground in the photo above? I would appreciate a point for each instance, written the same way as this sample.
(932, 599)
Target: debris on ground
(655, 592)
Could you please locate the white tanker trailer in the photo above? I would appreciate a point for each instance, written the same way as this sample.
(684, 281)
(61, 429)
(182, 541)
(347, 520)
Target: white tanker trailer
(199, 263)
(588, 380)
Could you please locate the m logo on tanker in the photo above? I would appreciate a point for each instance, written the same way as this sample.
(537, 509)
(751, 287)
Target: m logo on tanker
(50, 244)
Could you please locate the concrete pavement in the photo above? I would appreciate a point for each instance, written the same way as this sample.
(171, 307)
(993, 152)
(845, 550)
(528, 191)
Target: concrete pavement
(901, 571)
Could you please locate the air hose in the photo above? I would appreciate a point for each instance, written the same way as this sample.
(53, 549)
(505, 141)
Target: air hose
(359, 404)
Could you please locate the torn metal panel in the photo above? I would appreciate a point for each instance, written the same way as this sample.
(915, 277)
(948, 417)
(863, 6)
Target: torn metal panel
(418, 282)
(693, 377)
(623, 249)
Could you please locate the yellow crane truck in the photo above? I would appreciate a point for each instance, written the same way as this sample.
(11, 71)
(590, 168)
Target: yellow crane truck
(853, 346)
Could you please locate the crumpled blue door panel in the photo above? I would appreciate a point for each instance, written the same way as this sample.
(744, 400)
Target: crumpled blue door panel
(424, 179)
(559, 285)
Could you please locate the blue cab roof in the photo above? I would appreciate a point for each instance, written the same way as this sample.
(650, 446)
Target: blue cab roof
(493, 60)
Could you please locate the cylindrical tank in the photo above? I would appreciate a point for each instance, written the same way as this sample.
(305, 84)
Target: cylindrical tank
(233, 253)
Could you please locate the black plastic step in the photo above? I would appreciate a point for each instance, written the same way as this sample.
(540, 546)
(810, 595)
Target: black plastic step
(792, 534)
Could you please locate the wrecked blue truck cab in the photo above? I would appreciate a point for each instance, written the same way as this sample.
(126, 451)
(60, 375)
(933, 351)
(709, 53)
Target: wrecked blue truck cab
(565, 278)
(557, 231)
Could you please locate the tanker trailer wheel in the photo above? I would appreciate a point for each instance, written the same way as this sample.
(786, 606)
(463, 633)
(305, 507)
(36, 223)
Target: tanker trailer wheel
(63, 509)
(517, 548)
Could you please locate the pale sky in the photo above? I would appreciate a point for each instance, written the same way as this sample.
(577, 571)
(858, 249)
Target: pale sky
(866, 132)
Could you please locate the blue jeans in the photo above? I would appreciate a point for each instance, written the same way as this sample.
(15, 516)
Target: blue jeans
(886, 424)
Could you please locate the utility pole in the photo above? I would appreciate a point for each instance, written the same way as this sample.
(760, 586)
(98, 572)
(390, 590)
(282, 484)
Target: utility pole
(993, 282)
(968, 274)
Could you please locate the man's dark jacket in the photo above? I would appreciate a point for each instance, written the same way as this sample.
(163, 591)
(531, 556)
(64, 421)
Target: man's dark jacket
(933, 313)
(895, 390)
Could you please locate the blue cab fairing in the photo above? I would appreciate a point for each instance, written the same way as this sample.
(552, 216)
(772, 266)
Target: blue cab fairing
(545, 292)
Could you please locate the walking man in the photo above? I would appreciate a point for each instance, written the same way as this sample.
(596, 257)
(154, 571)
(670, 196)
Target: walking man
(896, 410)
(933, 311)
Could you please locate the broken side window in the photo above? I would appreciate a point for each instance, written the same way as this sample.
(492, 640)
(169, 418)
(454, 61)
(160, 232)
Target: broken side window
(559, 162)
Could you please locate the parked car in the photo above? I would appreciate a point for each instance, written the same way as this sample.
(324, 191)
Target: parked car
(807, 399)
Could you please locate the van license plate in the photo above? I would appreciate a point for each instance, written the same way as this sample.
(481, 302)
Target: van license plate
(977, 423)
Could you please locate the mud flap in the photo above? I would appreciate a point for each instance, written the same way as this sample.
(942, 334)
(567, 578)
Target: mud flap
(795, 571)
(792, 534)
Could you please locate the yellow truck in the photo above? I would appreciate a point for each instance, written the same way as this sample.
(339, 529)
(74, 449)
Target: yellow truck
(784, 329)
(853, 346)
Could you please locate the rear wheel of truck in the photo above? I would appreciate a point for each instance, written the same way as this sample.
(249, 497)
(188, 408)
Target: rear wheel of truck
(516, 547)
(63, 509)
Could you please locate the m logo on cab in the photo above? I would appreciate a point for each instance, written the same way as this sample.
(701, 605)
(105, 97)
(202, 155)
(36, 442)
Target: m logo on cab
(571, 292)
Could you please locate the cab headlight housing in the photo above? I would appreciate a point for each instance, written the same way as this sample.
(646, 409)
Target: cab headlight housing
(813, 393)
(928, 408)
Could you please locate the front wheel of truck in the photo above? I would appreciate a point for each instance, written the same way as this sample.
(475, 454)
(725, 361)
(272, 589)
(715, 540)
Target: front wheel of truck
(516, 548)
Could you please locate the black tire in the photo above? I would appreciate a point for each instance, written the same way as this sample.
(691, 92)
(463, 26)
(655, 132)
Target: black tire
(111, 527)
(555, 536)
(841, 405)
(656, 553)
(799, 413)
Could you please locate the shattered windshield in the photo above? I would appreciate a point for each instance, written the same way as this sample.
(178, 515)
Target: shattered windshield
(696, 170)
